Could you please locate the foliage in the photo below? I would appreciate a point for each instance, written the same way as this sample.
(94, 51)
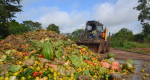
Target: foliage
(14, 68)
(18, 29)
(120, 37)
(53, 27)
(139, 37)
(126, 40)
(144, 9)
(76, 61)
(58, 53)
(144, 17)
(74, 36)
(124, 34)
(1, 37)
(33, 25)
(77, 32)
(8, 8)
(146, 29)
(147, 39)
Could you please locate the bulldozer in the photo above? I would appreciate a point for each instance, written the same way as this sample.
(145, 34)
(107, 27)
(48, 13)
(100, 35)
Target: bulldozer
(97, 44)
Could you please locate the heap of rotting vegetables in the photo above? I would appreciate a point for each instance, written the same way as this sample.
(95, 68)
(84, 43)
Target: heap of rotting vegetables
(45, 55)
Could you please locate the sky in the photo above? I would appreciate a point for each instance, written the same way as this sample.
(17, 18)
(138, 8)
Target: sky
(70, 15)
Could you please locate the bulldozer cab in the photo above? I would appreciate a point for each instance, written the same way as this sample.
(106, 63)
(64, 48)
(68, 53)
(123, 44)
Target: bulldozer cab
(99, 42)
(91, 25)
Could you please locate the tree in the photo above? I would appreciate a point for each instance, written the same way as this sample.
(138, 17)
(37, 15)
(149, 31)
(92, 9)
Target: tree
(53, 27)
(146, 29)
(32, 25)
(144, 8)
(139, 37)
(8, 8)
(77, 32)
(18, 29)
(123, 34)
(144, 16)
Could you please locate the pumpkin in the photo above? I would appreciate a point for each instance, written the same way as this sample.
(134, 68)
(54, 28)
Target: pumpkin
(105, 64)
(113, 67)
(47, 51)
(115, 63)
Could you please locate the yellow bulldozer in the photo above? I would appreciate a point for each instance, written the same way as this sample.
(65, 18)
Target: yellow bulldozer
(96, 42)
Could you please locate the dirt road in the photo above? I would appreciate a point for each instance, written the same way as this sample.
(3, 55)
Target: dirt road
(121, 54)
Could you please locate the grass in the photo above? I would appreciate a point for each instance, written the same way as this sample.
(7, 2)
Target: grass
(137, 45)
(129, 45)
(137, 51)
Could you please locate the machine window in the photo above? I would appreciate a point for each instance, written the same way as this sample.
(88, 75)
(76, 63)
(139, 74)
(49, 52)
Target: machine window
(89, 27)
(99, 28)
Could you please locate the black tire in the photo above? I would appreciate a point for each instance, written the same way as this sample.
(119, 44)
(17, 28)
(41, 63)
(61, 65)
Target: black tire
(107, 46)
(103, 44)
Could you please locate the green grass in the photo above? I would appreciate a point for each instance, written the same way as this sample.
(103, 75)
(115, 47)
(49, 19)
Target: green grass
(137, 45)
(129, 45)
(137, 51)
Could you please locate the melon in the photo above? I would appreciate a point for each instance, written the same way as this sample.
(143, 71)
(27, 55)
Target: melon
(111, 55)
(47, 51)
(131, 61)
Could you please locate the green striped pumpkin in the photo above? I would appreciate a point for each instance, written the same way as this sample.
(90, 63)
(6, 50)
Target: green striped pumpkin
(47, 51)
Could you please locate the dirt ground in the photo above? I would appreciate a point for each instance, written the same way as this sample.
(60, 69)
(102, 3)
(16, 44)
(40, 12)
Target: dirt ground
(121, 55)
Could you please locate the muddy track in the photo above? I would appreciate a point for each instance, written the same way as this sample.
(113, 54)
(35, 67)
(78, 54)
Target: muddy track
(122, 54)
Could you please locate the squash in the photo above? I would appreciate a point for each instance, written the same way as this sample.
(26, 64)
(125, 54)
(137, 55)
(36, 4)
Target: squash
(118, 68)
(127, 65)
(115, 63)
(114, 67)
(110, 60)
(47, 51)
(105, 64)
(131, 61)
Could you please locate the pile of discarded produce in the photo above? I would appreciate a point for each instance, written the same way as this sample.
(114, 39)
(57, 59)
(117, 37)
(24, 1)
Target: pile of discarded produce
(45, 55)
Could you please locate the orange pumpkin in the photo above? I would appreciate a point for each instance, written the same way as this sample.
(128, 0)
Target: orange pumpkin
(105, 64)
(115, 63)
(114, 67)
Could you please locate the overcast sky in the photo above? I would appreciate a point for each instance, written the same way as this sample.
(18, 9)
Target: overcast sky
(70, 15)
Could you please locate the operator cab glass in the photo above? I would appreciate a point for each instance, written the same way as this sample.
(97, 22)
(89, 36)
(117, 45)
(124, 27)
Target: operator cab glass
(89, 27)
(99, 28)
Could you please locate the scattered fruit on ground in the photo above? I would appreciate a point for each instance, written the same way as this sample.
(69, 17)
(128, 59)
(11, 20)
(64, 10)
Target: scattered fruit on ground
(146, 74)
(142, 70)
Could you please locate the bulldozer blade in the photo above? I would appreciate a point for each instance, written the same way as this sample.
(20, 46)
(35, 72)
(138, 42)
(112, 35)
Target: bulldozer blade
(93, 46)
